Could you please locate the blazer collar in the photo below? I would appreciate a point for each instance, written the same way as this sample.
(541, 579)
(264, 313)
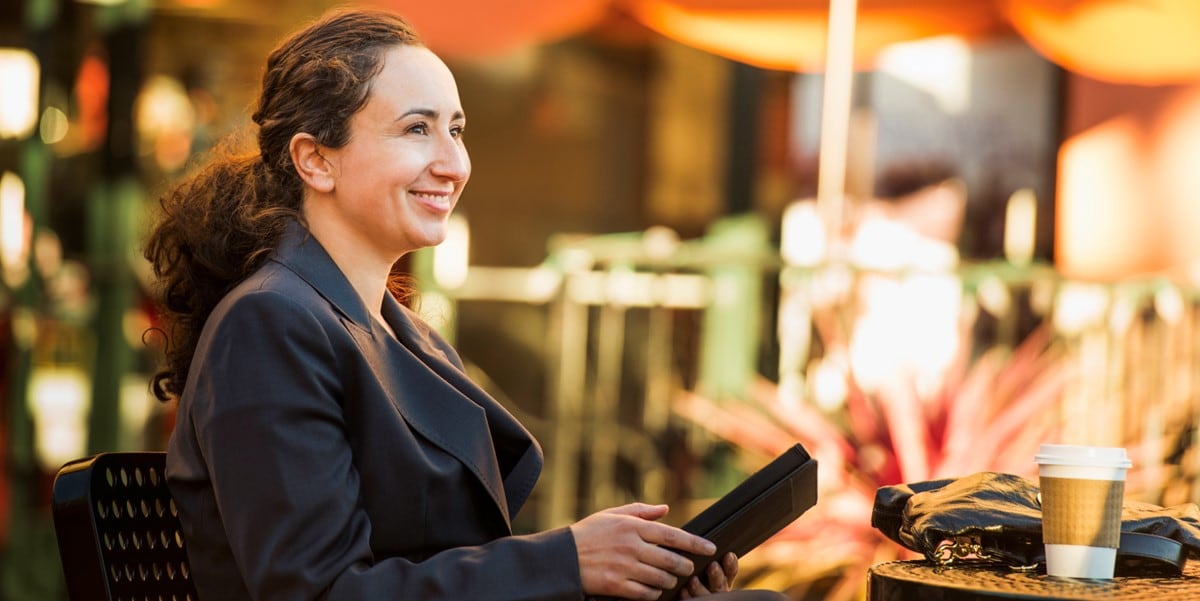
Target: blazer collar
(300, 252)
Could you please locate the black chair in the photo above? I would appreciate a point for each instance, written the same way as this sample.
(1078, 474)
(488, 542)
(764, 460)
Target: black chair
(118, 530)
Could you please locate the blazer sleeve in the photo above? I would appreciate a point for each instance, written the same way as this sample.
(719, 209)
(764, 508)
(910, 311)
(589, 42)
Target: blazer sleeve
(270, 427)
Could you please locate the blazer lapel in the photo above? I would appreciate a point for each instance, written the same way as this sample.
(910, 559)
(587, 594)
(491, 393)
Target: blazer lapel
(433, 407)
(518, 453)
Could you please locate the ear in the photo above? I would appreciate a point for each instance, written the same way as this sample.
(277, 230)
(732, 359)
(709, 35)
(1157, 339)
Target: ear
(314, 169)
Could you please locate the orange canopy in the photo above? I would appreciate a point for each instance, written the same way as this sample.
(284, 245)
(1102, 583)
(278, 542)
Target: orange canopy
(1149, 42)
(475, 28)
(791, 34)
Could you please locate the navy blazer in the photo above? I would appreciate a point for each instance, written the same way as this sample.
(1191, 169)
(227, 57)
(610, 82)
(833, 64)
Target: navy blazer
(316, 456)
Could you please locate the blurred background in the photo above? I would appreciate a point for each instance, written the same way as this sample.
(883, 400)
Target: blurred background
(918, 237)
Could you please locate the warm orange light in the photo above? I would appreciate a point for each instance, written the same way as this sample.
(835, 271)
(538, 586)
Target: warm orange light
(91, 93)
(1176, 168)
(779, 40)
(1105, 225)
(1127, 200)
(470, 28)
(1146, 42)
(792, 35)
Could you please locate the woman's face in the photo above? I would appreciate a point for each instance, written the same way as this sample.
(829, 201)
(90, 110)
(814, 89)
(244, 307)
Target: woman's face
(400, 175)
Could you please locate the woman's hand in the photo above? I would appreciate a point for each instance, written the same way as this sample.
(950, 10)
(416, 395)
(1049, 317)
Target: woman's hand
(720, 578)
(625, 552)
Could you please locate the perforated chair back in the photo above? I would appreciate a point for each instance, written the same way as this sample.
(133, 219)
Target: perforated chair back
(118, 530)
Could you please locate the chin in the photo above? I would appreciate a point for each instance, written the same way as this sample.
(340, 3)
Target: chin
(432, 241)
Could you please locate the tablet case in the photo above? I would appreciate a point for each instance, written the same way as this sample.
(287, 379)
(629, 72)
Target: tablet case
(760, 506)
(1150, 556)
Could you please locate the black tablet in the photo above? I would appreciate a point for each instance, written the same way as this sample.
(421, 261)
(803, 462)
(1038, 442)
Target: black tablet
(760, 506)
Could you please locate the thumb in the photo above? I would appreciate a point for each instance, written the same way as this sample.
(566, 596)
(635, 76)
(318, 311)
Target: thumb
(641, 510)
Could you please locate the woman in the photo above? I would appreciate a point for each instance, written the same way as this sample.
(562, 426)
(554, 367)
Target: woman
(328, 444)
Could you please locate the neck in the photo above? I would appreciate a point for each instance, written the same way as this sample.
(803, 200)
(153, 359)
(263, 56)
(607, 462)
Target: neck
(368, 280)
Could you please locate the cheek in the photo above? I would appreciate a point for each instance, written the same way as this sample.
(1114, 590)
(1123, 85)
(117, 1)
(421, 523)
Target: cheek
(401, 169)
(391, 160)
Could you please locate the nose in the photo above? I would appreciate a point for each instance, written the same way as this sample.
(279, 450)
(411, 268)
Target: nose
(452, 161)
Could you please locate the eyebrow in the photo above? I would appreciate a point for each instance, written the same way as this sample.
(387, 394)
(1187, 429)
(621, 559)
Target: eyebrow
(430, 113)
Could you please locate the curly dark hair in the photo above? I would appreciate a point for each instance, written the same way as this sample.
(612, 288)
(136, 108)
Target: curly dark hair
(222, 222)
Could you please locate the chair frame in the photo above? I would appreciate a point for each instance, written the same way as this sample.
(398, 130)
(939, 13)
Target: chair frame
(118, 530)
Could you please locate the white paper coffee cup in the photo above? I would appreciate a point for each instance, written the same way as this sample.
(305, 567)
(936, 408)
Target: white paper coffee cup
(1082, 491)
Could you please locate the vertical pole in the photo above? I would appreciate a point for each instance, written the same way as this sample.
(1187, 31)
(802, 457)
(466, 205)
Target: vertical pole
(794, 317)
(835, 115)
(26, 570)
(568, 371)
(110, 219)
(656, 409)
(603, 436)
(743, 136)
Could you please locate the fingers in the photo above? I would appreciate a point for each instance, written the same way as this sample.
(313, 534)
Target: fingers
(730, 563)
(662, 534)
(653, 577)
(639, 591)
(686, 591)
(641, 510)
(719, 577)
(624, 552)
(666, 560)
(674, 538)
(626, 579)
(717, 580)
(626, 589)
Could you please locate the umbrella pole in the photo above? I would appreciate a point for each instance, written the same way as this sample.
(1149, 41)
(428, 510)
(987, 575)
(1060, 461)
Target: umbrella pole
(835, 116)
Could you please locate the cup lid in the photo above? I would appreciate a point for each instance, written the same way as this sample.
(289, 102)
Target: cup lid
(1068, 454)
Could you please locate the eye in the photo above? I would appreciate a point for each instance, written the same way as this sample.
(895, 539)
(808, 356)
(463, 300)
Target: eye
(418, 128)
(458, 131)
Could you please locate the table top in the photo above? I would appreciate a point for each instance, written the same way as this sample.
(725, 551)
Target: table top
(920, 579)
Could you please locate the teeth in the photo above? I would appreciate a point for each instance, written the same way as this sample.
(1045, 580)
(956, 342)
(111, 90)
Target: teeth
(442, 199)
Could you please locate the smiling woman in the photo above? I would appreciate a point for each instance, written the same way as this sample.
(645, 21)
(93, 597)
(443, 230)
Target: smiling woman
(391, 189)
(329, 443)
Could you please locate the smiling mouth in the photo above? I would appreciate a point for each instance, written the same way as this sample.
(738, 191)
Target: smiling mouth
(436, 200)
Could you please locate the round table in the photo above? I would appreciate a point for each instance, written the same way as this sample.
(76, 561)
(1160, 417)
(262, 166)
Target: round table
(923, 581)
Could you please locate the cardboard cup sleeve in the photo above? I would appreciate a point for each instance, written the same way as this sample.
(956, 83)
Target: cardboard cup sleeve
(1082, 512)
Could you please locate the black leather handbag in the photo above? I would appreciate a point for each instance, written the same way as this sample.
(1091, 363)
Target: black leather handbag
(998, 517)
